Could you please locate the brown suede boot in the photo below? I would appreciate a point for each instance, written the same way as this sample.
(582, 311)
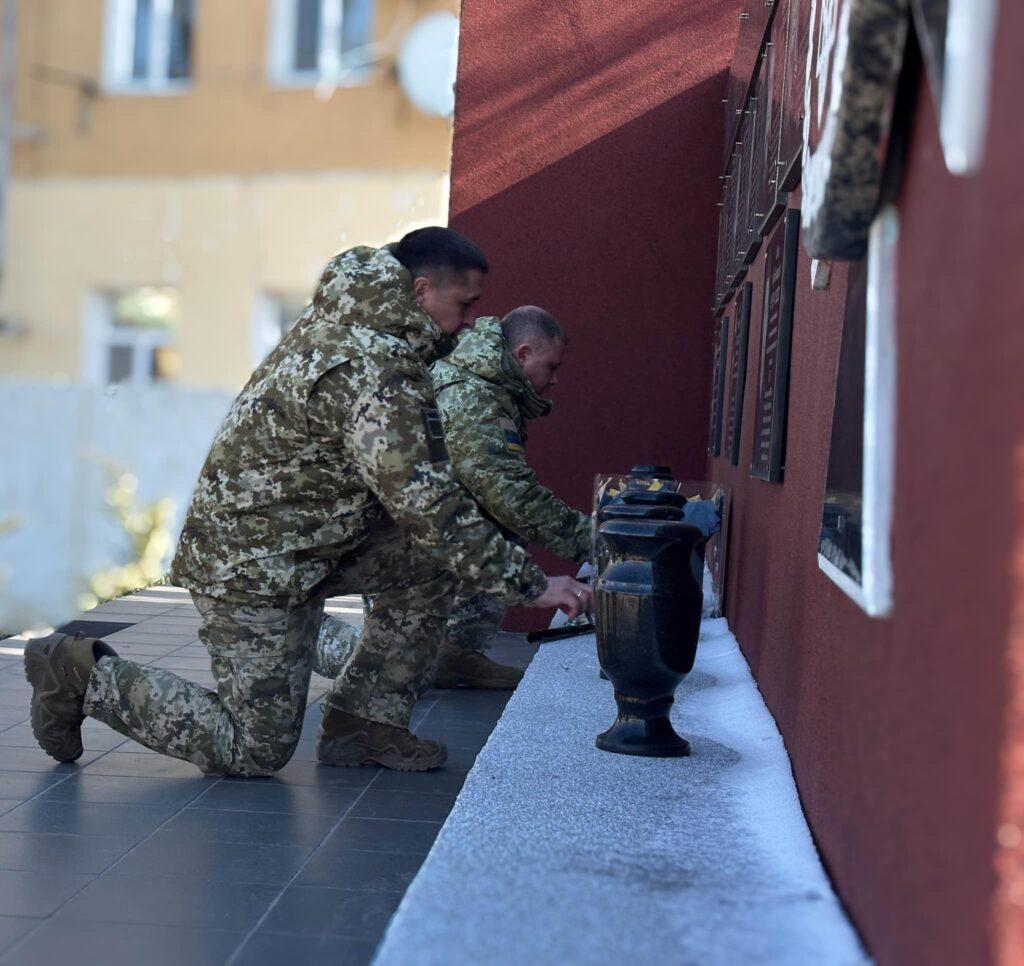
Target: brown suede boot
(58, 668)
(346, 740)
(457, 668)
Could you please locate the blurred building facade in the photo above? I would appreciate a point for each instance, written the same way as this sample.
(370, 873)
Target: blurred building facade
(182, 170)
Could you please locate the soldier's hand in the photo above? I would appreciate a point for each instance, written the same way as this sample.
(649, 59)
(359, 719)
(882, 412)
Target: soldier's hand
(566, 594)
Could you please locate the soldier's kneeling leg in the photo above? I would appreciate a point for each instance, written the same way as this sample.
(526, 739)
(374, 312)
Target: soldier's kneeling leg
(396, 653)
(261, 659)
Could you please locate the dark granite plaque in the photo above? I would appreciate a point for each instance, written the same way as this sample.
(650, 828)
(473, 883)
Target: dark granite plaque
(755, 185)
(718, 386)
(791, 139)
(776, 329)
(738, 374)
(772, 201)
(736, 186)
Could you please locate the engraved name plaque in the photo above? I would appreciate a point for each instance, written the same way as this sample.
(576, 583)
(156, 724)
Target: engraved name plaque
(738, 374)
(718, 387)
(776, 330)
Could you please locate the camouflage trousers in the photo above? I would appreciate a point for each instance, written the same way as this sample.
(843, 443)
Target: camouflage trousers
(262, 657)
(474, 620)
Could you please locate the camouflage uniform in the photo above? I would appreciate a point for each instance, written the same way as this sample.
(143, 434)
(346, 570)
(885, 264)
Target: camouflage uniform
(485, 402)
(329, 475)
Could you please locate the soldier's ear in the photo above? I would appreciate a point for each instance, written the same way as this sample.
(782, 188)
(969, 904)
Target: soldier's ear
(522, 352)
(420, 288)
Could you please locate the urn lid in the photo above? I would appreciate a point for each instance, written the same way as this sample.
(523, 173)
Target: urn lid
(645, 505)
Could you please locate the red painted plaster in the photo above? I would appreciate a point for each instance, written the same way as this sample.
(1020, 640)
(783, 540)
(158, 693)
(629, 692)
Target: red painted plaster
(896, 727)
(587, 141)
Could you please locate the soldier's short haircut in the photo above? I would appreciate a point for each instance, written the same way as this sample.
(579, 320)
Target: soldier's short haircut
(433, 251)
(528, 323)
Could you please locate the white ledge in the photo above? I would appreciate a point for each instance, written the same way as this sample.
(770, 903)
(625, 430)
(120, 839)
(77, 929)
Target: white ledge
(556, 852)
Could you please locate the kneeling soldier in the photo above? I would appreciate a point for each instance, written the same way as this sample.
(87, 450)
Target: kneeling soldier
(487, 390)
(328, 476)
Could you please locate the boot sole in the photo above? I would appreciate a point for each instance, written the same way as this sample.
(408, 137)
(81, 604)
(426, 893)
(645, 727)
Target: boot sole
(359, 757)
(37, 673)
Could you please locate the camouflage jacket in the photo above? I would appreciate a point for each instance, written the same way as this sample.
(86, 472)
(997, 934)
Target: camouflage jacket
(335, 431)
(485, 402)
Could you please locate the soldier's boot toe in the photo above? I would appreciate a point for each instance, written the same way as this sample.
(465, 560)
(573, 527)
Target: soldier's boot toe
(347, 740)
(458, 668)
(58, 668)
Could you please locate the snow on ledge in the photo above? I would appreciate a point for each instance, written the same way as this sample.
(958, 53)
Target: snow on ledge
(556, 852)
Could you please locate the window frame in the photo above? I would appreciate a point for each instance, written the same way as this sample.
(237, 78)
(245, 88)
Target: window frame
(119, 45)
(100, 333)
(282, 21)
(875, 592)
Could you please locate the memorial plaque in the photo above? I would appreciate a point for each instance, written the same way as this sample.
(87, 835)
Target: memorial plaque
(772, 200)
(718, 387)
(736, 189)
(755, 186)
(756, 18)
(738, 373)
(791, 139)
(841, 519)
(776, 330)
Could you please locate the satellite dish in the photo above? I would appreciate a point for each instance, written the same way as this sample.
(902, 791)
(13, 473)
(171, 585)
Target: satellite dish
(427, 63)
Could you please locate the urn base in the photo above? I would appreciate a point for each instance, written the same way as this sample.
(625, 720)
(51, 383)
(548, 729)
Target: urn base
(648, 737)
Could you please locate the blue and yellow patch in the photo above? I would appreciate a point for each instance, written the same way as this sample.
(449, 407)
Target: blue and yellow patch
(510, 434)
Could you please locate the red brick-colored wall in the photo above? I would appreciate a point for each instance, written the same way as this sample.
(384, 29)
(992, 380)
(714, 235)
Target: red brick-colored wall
(896, 727)
(587, 142)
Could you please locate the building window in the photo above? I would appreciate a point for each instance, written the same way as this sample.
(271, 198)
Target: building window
(131, 338)
(273, 316)
(320, 40)
(148, 45)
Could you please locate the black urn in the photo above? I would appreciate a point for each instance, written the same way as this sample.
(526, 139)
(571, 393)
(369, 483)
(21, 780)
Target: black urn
(648, 600)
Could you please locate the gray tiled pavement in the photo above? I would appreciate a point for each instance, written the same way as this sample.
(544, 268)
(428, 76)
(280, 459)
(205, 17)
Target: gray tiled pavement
(130, 857)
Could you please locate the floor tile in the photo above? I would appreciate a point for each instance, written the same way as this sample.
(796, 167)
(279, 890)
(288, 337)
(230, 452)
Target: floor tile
(114, 944)
(442, 781)
(115, 789)
(332, 912)
(84, 818)
(37, 894)
(171, 855)
(407, 806)
(42, 851)
(273, 949)
(35, 759)
(381, 835)
(242, 828)
(311, 773)
(274, 796)
(21, 736)
(178, 902)
(361, 871)
(142, 765)
(12, 928)
(13, 716)
(24, 785)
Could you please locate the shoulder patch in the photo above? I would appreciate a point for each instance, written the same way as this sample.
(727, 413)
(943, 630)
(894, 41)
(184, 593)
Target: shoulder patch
(436, 445)
(509, 432)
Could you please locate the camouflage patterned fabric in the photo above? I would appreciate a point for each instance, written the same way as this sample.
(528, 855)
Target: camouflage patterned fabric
(485, 402)
(336, 430)
(329, 476)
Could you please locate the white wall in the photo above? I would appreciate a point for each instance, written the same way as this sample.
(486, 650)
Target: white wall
(53, 439)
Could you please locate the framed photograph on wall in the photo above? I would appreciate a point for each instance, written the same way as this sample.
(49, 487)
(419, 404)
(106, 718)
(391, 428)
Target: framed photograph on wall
(718, 386)
(738, 373)
(776, 332)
